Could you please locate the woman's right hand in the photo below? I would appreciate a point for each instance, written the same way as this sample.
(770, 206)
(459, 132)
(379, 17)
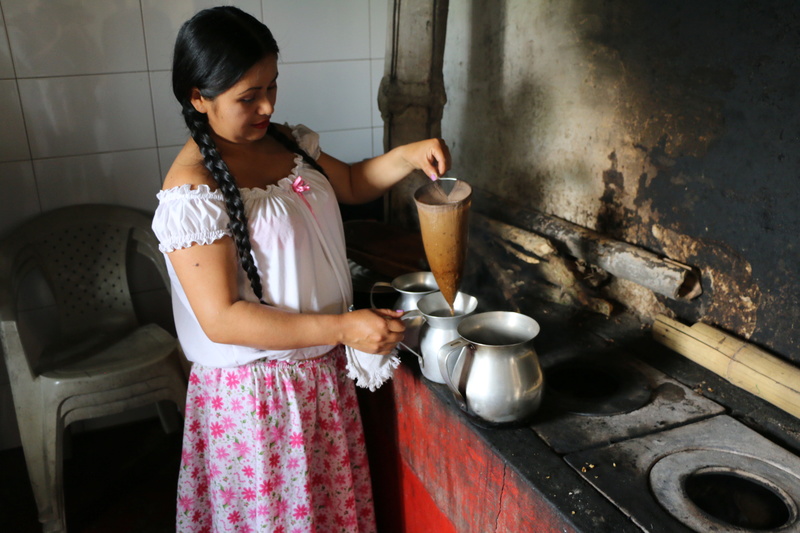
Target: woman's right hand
(373, 330)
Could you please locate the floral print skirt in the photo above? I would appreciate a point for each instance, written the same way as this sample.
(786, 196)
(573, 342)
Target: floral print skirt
(274, 446)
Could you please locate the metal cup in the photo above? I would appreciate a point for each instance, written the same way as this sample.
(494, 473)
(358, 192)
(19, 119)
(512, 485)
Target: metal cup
(439, 328)
(410, 287)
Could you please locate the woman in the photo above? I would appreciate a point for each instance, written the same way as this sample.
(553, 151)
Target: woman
(248, 219)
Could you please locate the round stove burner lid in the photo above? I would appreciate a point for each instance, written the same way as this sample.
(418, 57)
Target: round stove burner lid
(718, 490)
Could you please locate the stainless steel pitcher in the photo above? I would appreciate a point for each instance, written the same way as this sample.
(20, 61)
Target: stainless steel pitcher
(493, 369)
(440, 327)
(410, 288)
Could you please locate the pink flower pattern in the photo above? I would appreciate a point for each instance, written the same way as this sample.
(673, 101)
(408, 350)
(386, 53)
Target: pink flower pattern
(274, 447)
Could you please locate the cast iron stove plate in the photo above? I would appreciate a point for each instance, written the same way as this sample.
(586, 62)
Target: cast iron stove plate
(597, 397)
(712, 475)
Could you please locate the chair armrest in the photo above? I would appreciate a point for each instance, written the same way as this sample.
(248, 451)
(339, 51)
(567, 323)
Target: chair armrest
(19, 369)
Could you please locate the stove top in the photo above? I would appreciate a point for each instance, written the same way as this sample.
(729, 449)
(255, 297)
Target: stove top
(712, 475)
(596, 396)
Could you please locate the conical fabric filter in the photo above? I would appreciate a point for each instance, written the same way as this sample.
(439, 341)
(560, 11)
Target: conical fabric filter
(443, 208)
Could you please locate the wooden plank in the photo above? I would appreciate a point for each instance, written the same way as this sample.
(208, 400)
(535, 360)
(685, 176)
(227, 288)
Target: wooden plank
(534, 244)
(662, 275)
(533, 265)
(680, 338)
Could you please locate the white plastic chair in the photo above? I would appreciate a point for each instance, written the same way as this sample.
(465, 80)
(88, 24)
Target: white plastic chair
(104, 361)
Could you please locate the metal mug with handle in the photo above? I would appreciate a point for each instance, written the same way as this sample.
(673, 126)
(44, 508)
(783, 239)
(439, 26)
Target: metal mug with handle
(410, 288)
(493, 369)
(439, 328)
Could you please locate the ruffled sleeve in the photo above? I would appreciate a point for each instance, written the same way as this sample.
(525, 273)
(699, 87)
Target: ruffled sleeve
(187, 216)
(307, 139)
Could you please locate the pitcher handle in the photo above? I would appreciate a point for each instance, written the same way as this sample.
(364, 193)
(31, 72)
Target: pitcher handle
(372, 291)
(414, 313)
(448, 364)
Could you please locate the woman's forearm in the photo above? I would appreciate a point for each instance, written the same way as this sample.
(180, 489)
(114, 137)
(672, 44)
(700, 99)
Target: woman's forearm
(267, 328)
(208, 275)
(367, 180)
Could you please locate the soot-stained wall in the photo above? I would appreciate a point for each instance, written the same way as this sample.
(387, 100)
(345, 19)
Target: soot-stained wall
(671, 125)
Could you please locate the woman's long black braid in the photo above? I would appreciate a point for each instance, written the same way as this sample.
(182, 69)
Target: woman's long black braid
(200, 131)
(213, 50)
(212, 160)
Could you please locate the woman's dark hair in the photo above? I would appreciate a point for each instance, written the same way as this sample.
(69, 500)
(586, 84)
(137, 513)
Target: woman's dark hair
(213, 50)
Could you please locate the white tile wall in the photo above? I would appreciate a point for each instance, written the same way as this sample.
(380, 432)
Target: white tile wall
(19, 195)
(170, 127)
(92, 77)
(162, 20)
(6, 67)
(325, 96)
(128, 178)
(311, 31)
(13, 140)
(74, 38)
(376, 74)
(347, 144)
(378, 25)
(88, 114)
(377, 141)
(166, 155)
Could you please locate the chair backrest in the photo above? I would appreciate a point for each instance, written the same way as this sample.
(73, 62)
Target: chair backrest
(82, 253)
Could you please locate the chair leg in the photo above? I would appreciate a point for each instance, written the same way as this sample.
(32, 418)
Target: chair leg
(170, 417)
(41, 443)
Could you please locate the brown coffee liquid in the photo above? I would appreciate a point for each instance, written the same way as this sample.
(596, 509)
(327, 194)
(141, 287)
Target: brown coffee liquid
(444, 313)
(418, 287)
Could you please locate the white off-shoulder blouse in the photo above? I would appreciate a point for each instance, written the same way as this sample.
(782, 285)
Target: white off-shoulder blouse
(298, 245)
(299, 249)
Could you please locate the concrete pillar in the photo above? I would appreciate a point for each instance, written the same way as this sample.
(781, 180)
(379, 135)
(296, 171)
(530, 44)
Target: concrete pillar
(412, 96)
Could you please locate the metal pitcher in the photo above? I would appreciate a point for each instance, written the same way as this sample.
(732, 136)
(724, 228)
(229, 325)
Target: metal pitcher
(410, 288)
(493, 369)
(440, 327)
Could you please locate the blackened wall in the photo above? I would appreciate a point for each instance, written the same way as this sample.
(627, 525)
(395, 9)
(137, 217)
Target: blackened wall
(671, 125)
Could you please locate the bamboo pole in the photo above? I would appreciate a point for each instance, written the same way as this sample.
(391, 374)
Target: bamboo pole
(741, 363)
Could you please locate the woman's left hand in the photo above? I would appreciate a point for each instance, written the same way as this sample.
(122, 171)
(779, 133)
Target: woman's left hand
(366, 180)
(432, 156)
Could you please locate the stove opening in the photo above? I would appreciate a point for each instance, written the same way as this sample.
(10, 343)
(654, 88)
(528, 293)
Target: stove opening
(737, 500)
(594, 389)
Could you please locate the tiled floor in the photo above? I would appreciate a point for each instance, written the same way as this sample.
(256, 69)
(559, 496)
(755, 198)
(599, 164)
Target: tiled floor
(117, 480)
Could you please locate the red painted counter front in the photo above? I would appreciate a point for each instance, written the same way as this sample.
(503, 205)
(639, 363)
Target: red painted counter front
(433, 472)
